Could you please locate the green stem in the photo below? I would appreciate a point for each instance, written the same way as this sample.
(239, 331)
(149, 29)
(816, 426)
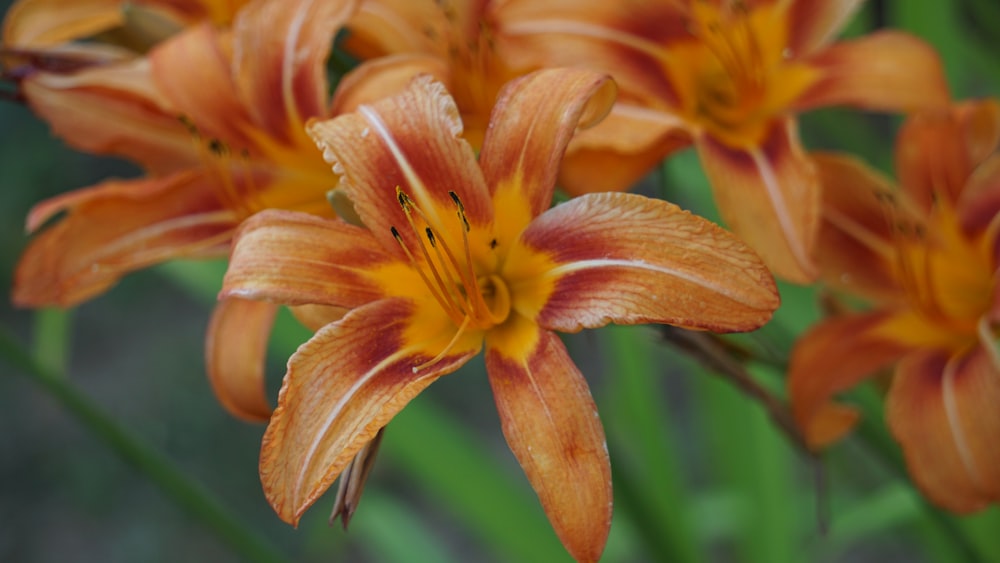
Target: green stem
(52, 338)
(187, 493)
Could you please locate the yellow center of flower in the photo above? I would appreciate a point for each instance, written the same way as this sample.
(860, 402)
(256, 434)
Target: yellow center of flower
(734, 76)
(946, 276)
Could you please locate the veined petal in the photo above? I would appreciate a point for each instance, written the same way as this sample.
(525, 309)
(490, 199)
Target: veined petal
(410, 141)
(812, 24)
(833, 357)
(629, 259)
(943, 411)
(193, 71)
(932, 160)
(382, 77)
(343, 385)
(532, 122)
(296, 258)
(114, 110)
(855, 250)
(620, 150)
(279, 59)
(551, 424)
(886, 70)
(769, 196)
(117, 227)
(627, 40)
(235, 354)
(45, 23)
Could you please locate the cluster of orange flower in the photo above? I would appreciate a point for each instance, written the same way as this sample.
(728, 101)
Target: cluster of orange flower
(406, 216)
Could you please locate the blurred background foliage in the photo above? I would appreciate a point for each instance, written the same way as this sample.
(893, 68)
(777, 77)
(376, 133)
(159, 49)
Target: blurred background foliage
(700, 473)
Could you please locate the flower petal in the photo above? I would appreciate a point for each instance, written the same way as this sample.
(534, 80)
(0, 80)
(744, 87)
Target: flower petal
(620, 150)
(279, 60)
(296, 258)
(343, 385)
(626, 40)
(382, 77)
(833, 357)
(814, 23)
(235, 354)
(551, 424)
(943, 411)
(886, 70)
(410, 141)
(979, 203)
(629, 259)
(855, 251)
(114, 228)
(193, 70)
(113, 110)
(45, 23)
(532, 122)
(769, 196)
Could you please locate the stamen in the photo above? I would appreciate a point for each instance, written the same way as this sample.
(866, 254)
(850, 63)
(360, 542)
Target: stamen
(449, 309)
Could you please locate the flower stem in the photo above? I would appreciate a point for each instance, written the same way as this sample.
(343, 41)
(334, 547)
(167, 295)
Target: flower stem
(719, 359)
(188, 494)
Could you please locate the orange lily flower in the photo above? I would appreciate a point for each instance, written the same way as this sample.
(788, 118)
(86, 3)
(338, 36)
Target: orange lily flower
(729, 76)
(458, 255)
(926, 257)
(245, 95)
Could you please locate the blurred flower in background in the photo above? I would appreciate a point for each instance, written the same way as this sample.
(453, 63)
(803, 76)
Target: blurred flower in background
(925, 256)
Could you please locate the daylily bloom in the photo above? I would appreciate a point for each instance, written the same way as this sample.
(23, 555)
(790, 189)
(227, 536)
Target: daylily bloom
(925, 257)
(458, 255)
(216, 117)
(729, 76)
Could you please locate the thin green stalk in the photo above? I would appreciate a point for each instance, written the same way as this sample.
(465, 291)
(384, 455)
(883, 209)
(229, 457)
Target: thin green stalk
(178, 487)
(52, 338)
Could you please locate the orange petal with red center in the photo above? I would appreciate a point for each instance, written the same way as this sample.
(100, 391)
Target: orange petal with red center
(551, 424)
(113, 110)
(235, 354)
(886, 70)
(630, 259)
(279, 60)
(410, 141)
(833, 357)
(343, 385)
(296, 258)
(114, 228)
(620, 150)
(979, 121)
(814, 23)
(45, 23)
(932, 160)
(855, 250)
(769, 196)
(532, 122)
(943, 412)
(193, 70)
